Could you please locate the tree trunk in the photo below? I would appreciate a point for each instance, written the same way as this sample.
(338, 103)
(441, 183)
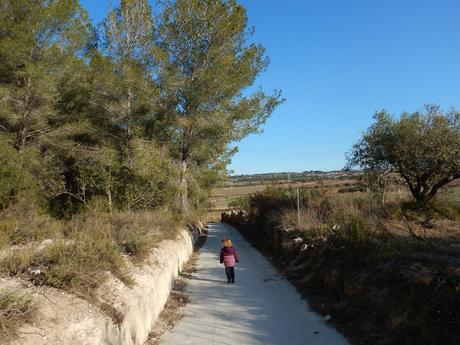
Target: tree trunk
(22, 134)
(129, 130)
(109, 197)
(129, 116)
(183, 197)
(21, 139)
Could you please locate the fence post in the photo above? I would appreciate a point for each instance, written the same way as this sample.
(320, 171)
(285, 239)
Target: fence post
(298, 207)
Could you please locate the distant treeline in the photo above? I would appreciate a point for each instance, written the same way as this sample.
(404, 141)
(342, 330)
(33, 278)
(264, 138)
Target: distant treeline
(313, 175)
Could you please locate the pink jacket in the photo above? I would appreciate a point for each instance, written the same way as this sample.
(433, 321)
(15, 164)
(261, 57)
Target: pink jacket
(229, 257)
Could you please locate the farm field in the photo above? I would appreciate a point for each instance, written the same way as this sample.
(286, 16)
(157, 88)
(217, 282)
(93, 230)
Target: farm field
(221, 197)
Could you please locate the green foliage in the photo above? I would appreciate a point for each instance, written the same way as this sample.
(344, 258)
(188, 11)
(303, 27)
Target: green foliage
(36, 43)
(447, 203)
(102, 129)
(78, 263)
(240, 202)
(356, 229)
(134, 117)
(203, 65)
(133, 233)
(15, 180)
(423, 147)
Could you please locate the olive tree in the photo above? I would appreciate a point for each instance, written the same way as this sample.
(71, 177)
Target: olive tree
(422, 147)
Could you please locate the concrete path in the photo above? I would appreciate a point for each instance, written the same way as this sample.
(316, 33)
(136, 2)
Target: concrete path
(262, 308)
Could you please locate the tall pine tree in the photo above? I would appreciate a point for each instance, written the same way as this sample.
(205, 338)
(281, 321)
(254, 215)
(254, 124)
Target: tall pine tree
(36, 40)
(205, 63)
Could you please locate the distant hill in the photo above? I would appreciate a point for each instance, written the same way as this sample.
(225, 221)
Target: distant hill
(283, 177)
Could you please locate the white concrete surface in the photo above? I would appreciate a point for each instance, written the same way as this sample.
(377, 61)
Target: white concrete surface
(262, 308)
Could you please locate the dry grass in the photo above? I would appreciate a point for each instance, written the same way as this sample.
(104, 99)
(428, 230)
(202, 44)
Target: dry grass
(15, 310)
(221, 198)
(393, 265)
(88, 246)
(77, 265)
(321, 212)
(27, 223)
(134, 233)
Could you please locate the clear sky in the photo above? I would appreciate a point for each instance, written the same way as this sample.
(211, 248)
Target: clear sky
(337, 62)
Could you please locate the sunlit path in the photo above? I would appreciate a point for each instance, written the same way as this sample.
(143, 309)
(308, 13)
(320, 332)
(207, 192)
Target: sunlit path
(261, 308)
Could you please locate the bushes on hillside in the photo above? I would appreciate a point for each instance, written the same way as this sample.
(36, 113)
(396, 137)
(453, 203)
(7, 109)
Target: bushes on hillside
(15, 180)
(360, 261)
(78, 264)
(26, 222)
(87, 246)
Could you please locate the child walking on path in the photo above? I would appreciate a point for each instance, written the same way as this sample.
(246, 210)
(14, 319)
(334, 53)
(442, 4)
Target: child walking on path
(229, 258)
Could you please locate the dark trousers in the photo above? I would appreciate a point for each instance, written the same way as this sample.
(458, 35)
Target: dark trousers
(230, 272)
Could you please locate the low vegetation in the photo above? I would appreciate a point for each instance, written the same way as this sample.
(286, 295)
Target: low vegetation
(86, 247)
(15, 309)
(386, 273)
(25, 222)
(227, 196)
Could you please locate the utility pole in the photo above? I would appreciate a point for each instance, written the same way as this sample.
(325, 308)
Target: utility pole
(298, 206)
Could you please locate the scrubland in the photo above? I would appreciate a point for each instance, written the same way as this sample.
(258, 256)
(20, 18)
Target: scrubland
(75, 254)
(387, 272)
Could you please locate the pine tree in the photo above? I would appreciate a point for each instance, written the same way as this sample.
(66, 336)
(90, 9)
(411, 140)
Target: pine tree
(205, 62)
(123, 95)
(36, 40)
(39, 43)
(127, 41)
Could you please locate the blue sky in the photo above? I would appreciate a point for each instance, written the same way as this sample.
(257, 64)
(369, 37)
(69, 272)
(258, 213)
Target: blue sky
(338, 62)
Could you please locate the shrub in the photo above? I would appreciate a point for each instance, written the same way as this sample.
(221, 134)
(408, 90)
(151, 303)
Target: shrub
(86, 247)
(15, 309)
(447, 204)
(17, 262)
(240, 202)
(15, 180)
(352, 189)
(136, 233)
(78, 264)
(313, 233)
(133, 233)
(24, 223)
(356, 229)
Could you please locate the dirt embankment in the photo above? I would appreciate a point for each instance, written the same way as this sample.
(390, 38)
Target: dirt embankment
(123, 315)
(375, 292)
